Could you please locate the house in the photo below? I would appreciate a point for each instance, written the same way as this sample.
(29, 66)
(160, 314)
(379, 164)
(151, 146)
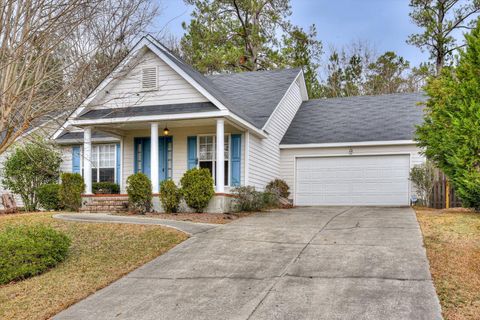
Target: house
(157, 115)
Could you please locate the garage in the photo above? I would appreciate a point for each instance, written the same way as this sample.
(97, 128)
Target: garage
(352, 180)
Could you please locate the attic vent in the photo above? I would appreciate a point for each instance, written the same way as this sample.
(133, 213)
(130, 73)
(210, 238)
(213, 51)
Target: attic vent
(149, 78)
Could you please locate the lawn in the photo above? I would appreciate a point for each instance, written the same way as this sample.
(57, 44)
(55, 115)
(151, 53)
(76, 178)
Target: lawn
(452, 239)
(100, 253)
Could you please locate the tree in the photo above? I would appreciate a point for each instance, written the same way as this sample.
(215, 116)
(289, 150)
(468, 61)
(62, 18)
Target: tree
(53, 52)
(248, 35)
(440, 19)
(387, 74)
(451, 130)
(423, 177)
(29, 167)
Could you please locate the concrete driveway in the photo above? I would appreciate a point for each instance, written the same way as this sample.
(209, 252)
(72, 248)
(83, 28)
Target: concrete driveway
(303, 263)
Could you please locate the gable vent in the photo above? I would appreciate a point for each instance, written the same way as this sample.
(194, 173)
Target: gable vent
(149, 78)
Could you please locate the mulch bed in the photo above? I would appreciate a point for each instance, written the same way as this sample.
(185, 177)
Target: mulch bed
(215, 218)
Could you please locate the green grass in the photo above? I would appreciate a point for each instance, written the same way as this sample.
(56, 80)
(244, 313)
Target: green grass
(99, 254)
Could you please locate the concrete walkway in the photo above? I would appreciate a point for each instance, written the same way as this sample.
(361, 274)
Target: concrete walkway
(188, 227)
(304, 263)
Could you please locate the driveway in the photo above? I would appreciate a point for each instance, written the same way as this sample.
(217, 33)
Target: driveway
(303, 263)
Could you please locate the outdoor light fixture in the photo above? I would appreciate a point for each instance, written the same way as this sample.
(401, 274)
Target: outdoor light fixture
(166, 131)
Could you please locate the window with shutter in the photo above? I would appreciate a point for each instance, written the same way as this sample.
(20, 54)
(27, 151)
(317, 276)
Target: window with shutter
(149, 78)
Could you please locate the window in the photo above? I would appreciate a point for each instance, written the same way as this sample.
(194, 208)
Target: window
(103, 163)
(149, 78)
(207, 155)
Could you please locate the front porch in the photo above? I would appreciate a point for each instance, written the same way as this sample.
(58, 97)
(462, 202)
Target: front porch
(161, 150)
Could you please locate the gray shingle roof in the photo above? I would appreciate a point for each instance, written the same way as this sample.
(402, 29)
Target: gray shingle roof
(355, 119)
(255, 94)
(148, 110)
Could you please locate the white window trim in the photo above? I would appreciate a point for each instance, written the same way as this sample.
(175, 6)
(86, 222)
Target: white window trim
(98, 155)
(228, 135)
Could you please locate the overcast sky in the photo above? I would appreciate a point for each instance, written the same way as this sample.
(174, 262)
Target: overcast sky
(385, 24)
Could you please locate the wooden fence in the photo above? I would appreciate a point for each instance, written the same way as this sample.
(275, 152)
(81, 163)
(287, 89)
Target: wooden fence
(443, 194)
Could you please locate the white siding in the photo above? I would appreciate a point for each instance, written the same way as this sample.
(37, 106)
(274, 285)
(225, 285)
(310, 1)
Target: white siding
(264, 163)
(287, 159)
(66, 165)
(179, 138)
(126, 90)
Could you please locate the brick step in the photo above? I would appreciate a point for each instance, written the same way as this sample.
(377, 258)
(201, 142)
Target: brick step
(108, 203)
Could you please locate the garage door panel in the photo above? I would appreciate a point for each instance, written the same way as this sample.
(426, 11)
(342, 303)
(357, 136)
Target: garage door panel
(356, 180)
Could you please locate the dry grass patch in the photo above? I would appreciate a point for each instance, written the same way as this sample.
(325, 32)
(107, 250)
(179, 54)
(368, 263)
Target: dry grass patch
(214, 218)
(452, 239)
(100, 253)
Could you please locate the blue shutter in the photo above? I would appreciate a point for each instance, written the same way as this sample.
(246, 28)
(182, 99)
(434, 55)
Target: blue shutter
(76, 159)
(191, 152)
(117, 176)
(235, 158)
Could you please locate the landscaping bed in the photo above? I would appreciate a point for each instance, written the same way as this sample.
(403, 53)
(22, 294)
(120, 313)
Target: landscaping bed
(99, 254)
(214, 218)
(452, 240)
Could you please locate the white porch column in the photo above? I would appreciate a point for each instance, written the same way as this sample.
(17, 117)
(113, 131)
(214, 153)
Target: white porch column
(87, 159)
(220, 187)
(154, 157)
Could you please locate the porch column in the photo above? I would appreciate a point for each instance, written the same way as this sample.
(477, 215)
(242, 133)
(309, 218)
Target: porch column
(87, 159)
(220, 156)
(154, 157)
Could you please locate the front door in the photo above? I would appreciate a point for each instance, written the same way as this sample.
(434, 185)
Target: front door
(142, 156)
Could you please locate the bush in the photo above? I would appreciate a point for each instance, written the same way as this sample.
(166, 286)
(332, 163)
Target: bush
(270, 200)
(105, 188)
(169, 196)
(49, 196)
(26, 251)
(278, 187)
(423, 177)
(197, 188)
(27, 168)
(71, 190)
(248, 199)
(139, 189)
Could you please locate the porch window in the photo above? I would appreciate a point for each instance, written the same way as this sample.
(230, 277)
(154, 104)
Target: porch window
(207, 155)
(103, 163)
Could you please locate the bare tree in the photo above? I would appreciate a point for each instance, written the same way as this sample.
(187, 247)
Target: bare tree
(53, 52)
(439, 20)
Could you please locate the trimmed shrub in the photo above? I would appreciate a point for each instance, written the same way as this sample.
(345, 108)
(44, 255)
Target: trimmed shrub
(105, 188)
(248, 199)
(169, 196)
(278, 187)
(26, 251)
(139, 189)
(71, 190)
(197, 188)
(49, 196)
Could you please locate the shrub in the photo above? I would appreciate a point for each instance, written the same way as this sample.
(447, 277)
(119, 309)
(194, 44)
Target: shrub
(270, 200)
(27, 168)
(105, 188)
(423, 177)
(197, 188)
(278, 187)
(26, 251)
(48, 196)
(71, 190)
(248, 199)
(139, 189)
(169, 196)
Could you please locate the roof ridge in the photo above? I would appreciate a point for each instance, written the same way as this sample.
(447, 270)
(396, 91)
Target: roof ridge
(369, 96)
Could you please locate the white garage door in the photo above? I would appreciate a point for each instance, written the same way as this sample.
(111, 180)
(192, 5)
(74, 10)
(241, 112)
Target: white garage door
(352, 180)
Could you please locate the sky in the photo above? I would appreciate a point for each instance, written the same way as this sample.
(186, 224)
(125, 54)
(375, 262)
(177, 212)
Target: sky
(383, 24)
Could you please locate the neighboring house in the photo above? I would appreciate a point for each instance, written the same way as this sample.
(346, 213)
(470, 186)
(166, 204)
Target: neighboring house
(246, 128)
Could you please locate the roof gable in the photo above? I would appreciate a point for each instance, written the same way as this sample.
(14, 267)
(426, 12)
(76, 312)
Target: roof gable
(126, 90)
